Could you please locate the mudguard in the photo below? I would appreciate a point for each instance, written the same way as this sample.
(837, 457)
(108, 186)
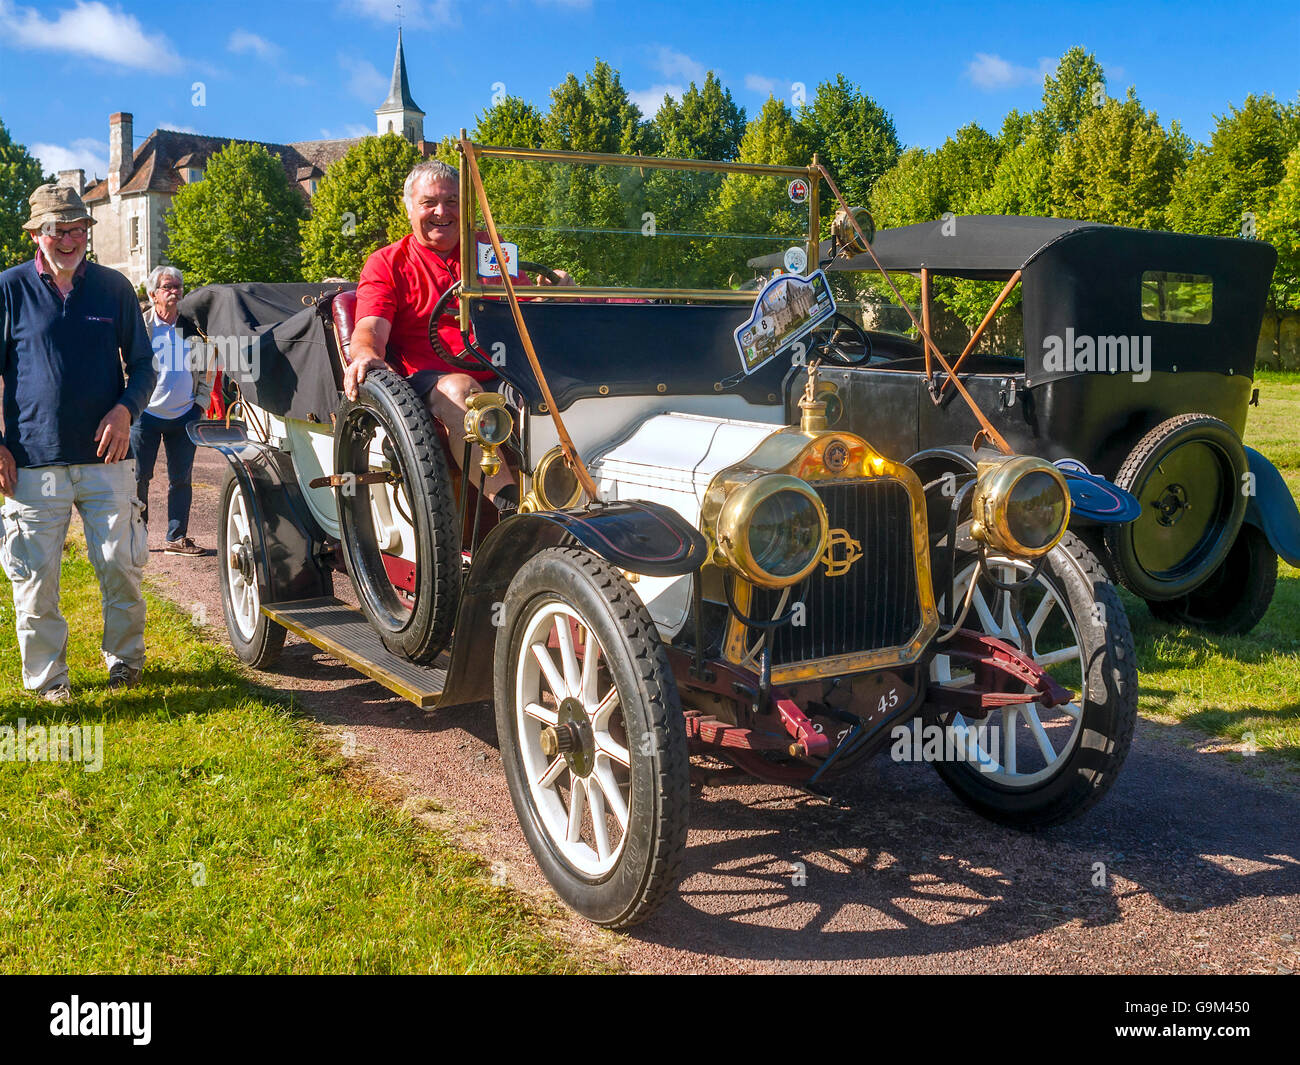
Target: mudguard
(641, 537)
(287, 539)
(1272, 510)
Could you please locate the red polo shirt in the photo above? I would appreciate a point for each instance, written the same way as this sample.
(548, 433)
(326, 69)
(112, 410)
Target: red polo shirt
(401, 283)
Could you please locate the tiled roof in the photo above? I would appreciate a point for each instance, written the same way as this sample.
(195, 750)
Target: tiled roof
(157, 159)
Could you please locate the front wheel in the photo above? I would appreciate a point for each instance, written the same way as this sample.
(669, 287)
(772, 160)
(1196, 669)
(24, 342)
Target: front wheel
(257, 639)
(1023, 765)
(592, 736)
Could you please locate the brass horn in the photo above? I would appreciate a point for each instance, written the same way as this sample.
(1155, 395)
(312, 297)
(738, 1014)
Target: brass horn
(846, 236)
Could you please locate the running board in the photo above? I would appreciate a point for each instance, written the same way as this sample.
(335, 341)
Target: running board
(345, 633)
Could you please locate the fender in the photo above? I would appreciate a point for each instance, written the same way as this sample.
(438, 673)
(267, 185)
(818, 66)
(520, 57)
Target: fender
(287, 540)
(641, 537)
(1272, 510)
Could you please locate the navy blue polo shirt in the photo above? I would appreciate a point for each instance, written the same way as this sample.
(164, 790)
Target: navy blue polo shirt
(61, 361)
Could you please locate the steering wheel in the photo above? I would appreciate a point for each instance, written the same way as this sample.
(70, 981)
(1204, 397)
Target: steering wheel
(540, 268)
(831, 350)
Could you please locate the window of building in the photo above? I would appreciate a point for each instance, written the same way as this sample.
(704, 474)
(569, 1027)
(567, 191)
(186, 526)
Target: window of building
(133, 229)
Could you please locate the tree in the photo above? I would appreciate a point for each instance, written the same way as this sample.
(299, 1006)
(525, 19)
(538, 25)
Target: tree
(757, 204)
(20, 173)
(357, 205)
(240, 223)
(1078, 87)
(1118, 166)
(1280, 226)
(1237, 171)
(707, 124)
(853, 136)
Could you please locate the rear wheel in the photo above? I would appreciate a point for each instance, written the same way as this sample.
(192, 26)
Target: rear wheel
(1187, 475)
(1025, 765)
(592, 736)
(257, 639)
(400, 541)
(1237, 594)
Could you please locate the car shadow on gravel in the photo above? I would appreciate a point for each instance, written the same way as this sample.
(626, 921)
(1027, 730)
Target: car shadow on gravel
(896, 866)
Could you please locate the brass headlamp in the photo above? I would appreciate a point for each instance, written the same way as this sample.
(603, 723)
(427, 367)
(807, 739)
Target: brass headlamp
(488, 423)
(554, 485)
(772, 530)
(1020, 506)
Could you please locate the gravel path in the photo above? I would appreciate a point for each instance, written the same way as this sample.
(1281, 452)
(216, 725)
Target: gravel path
(1200, 856)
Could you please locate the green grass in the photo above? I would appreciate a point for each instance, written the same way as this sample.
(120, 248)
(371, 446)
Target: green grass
(221, 835)
(1244, 689)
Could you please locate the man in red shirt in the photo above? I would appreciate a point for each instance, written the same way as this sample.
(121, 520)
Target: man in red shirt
(398, 289)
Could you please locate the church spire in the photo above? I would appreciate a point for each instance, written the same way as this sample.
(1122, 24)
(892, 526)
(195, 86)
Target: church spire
(399, 113)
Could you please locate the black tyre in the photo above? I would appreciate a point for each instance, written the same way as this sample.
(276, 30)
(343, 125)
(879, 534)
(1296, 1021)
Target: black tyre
(400, 541)
(606, 811)
(257, 639)
(1031, 767)
(1187, 475)
(1236, 595)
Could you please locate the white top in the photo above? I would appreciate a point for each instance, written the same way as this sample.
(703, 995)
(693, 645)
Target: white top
(173, 395)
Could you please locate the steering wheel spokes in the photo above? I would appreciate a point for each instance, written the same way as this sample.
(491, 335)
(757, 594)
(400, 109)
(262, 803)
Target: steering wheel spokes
(832, 348)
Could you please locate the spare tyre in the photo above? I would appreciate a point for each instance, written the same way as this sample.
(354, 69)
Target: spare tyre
(1188, 475)
(397, 516)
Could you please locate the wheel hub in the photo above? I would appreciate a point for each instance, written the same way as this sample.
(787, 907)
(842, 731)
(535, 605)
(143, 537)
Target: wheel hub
(1171, 505)
(573, 737)
(241, 560)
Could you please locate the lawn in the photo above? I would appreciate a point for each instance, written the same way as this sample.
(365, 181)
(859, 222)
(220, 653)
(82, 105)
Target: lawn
(1245, 689)
(221, 835)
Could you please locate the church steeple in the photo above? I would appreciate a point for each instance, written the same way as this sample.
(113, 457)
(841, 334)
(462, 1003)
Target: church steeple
(399, 113)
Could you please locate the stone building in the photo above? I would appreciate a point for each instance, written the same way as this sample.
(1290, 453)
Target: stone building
(130, 205)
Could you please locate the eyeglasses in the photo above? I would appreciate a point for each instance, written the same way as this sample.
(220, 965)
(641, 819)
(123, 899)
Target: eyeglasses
(75, 232)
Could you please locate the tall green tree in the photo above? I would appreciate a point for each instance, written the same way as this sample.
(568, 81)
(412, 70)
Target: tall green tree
(240, 223)
(1280, 226)
(706, 124)
(1119, 166)
(357, 205)
(1236, 173)
(20, 173)
(1071, 94)
(853, 136)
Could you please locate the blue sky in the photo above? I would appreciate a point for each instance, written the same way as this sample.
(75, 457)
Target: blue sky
(303, 69)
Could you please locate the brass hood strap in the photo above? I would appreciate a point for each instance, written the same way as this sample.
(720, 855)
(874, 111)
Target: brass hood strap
(566, 442)
(985, 424)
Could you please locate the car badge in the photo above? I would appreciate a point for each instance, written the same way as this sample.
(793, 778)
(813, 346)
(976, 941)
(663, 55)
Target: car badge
(839, 562)
(797, 190)
(836, 456)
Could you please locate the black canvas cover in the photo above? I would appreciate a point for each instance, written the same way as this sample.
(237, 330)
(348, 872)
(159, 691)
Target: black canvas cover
(272, 340)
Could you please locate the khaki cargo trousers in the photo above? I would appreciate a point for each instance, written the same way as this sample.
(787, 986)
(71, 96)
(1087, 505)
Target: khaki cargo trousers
(33, 527)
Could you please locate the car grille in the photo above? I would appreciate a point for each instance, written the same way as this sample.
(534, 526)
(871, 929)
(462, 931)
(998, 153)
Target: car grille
(872, 606)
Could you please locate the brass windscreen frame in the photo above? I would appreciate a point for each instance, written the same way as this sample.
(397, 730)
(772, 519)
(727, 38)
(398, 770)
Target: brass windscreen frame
(472, 286)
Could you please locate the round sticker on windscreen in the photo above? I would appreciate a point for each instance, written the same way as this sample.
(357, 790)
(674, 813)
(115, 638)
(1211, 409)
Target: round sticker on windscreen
(798, 190)
(795, 260)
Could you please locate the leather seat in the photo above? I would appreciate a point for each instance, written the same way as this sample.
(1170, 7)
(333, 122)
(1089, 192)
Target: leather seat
(343, 309)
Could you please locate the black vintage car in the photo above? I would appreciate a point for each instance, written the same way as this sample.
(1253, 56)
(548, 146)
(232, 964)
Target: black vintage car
(1137, 365)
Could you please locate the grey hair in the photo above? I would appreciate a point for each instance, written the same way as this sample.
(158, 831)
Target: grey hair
(429, 170)
(158, 273)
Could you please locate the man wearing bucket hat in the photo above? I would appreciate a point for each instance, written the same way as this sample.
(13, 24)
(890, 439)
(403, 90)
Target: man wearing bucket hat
(67, 326)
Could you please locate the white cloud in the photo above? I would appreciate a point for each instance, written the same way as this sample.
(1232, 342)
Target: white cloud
(993, 73)
(242, 41)
(415, 13)
(90, 28)
(651, 99)
(761, 85)
(177, 127)
(86, 154)
(673, 64)
(299, 80)
(364, 80)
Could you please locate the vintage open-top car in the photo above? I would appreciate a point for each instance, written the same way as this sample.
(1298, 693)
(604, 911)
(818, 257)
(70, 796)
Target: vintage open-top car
(708, 581)
(1137, 363)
